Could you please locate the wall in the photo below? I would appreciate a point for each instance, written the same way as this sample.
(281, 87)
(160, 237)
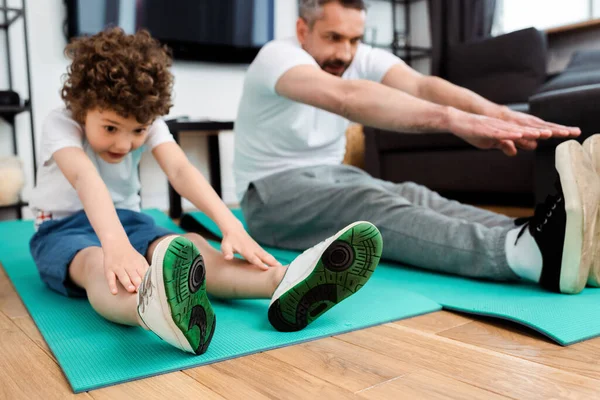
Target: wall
(201, 89)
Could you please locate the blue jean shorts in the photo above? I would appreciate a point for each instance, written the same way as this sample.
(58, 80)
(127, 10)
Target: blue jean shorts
(57, 242)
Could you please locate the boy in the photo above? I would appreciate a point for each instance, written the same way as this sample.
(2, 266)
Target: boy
(91, 239)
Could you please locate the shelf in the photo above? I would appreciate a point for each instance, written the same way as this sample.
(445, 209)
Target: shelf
(11, 111)
(574, 28)
(14, 206)
(416, 52)
(17, 12)
(199, 125)
(401, 2)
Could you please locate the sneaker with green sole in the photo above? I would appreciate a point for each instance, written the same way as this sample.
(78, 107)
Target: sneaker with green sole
(172, 300)
(325, 275)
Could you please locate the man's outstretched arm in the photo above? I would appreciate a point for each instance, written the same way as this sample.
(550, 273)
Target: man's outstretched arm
(440, 91)
(377, 105)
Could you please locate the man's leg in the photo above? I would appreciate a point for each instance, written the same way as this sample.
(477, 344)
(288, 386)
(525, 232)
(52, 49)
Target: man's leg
(297, 209)
(420, 195)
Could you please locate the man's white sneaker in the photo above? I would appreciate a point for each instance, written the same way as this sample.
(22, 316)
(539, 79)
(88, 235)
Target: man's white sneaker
(172, 300)
(324, 275)
(592, 146)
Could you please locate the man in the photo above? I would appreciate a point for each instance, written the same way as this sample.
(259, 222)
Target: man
(299, 96)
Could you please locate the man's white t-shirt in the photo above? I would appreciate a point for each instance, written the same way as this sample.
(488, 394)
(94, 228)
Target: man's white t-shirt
(54, 195)
(274, 134)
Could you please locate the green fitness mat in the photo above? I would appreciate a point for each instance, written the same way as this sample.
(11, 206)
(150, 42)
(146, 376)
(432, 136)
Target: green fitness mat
(566, 319)
(94, 353)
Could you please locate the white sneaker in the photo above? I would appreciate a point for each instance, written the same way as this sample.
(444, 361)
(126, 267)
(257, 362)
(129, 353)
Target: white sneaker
(592, 146)
(324, 275)
(172, 299)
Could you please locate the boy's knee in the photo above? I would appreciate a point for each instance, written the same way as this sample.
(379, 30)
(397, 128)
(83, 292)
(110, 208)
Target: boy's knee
(196, 239)
(87, 263)
(90, 259)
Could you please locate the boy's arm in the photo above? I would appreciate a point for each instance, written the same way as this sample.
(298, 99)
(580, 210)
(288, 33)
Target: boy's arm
(190, 184)
(119, 260)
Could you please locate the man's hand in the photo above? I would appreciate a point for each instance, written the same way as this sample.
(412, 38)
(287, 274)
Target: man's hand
(236, 239)
(493, 133)
(522, 119)
(124, 263)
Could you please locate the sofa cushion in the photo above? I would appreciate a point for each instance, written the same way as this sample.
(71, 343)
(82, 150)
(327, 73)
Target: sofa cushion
(505, 69)
(583, 69)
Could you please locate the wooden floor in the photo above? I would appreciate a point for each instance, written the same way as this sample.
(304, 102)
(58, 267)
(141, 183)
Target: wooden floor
(436, 356)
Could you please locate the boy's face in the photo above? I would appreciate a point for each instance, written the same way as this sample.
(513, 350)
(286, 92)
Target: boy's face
(111, 136)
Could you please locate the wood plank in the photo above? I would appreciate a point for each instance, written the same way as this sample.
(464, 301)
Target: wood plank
(502, 374)
(12, 306)
(427, 385)
(575, 27)
(268, 377)
(30, 329)
(342, 364)
(25, 370)
(510, 211)
(435, 322)
(580, 358)
(10, 302)
(175, 385)
(226, 383)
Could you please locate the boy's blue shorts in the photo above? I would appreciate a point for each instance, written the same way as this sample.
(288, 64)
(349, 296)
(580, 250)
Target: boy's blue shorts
(56, 243)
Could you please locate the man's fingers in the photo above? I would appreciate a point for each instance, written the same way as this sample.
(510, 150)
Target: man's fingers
(508, 147)
(562, 130)
(501, 133)
(527, 144)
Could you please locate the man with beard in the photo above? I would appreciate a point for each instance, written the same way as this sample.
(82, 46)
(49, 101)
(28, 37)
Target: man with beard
(298, 98)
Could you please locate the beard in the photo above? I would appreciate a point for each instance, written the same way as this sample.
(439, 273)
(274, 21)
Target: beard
(335, 67)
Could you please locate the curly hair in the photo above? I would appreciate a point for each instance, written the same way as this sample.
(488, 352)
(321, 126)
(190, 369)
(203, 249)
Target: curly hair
(127, 74)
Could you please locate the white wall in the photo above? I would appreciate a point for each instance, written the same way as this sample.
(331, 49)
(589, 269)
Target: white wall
(201, 89)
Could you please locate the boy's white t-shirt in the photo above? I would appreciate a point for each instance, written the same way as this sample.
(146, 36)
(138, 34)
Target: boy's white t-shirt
(273, 133)
(54, 195)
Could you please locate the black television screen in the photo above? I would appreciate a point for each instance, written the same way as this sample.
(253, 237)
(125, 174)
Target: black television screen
(229, 31)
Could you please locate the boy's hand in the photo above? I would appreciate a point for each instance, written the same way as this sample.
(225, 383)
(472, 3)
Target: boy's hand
(125, 264)
(237, 240)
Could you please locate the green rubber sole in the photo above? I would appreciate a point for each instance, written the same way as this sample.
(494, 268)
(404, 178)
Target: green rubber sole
(184, 276)
(344, 267)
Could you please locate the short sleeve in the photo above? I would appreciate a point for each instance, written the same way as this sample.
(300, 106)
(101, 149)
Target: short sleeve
(274, 60)
(374, 63)
(60, 130)
(158, 133)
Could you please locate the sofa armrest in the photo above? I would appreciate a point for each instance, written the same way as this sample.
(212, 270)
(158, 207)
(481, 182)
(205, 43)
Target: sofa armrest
(505, 69)
(576, 106)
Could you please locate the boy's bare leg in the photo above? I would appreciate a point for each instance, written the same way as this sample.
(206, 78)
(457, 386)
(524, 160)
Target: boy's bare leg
(87, 271)
(233, 279)
(225, 279)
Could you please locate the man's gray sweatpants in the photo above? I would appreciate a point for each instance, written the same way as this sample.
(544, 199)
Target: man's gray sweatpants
(296, 209)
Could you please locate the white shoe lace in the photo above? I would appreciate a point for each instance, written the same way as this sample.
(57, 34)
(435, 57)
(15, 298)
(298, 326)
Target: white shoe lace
(146, 291)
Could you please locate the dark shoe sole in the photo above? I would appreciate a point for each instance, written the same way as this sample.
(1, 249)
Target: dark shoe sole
(344, 267)
(184, 277)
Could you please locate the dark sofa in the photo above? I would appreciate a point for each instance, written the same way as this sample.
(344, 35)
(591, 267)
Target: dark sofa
(508, 69)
